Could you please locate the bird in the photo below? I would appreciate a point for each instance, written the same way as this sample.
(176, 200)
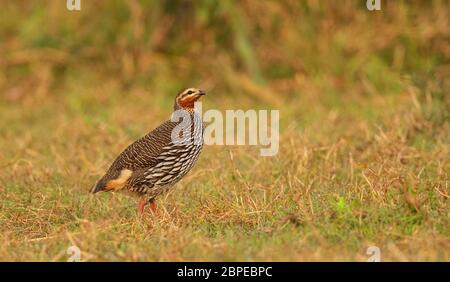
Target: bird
(153, 164)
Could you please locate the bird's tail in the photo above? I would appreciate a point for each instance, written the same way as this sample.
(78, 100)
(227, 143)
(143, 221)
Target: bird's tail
(110, 183)
(99, 186)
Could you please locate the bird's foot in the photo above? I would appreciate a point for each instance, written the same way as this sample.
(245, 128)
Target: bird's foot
(153, 207)
(141, 206)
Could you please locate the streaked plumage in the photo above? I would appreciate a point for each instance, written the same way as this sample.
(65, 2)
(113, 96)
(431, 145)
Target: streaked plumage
(153, 164)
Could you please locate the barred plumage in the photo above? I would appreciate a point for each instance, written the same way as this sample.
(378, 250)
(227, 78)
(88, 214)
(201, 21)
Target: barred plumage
(153, 164)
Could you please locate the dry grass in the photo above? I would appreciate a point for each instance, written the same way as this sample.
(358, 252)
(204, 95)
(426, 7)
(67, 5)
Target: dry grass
(364, 150)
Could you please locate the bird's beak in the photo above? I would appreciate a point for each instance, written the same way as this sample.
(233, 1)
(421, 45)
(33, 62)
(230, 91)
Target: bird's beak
(201, 93)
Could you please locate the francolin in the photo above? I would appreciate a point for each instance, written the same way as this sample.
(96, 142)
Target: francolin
(153, 164)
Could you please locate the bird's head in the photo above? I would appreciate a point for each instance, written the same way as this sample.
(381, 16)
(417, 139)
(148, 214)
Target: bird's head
(186, 98)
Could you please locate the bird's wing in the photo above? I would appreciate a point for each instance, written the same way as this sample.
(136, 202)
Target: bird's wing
(173, 158)
(145, 151)
(141, 154)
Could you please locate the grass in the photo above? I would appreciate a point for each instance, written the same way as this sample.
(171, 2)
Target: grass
(364, 146)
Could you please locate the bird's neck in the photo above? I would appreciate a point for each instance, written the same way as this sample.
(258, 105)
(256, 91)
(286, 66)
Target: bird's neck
(189, 109)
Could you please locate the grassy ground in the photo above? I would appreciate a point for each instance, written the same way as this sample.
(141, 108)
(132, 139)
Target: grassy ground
(364, 149)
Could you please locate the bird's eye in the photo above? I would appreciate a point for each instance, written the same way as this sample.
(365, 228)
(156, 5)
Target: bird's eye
(190, 92)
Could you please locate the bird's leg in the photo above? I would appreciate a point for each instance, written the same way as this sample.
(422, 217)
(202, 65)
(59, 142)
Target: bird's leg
(153, 206)
(141, 205)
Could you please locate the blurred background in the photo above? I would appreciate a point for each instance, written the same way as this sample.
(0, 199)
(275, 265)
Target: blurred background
(269, 52)
(355, 88)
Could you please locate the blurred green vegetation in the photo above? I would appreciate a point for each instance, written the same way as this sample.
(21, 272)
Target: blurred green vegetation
(263, 50)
